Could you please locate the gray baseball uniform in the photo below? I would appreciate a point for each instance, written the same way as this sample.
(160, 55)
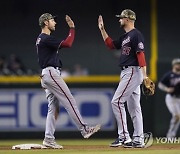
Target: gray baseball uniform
(129, 87)
(56, 89)
(129, 91)
(171, 79)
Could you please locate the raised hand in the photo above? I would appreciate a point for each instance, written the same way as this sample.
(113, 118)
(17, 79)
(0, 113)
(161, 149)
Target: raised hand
(100, 22)
(69, 22)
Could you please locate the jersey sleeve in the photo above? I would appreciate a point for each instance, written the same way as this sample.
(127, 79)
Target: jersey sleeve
(67, 43)
(165, 80)
(139, 42)
(109, 43)
(52, 42)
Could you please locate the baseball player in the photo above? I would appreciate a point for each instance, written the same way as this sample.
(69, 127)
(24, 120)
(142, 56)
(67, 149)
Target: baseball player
(133, 65)
(170, 83)
(56, 89)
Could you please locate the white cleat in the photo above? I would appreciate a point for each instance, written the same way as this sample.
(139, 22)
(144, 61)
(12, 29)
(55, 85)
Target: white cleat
(90, 131)
(52, 144)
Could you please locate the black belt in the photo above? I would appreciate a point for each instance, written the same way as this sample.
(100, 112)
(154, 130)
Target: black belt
(124, 67)
(58, 68)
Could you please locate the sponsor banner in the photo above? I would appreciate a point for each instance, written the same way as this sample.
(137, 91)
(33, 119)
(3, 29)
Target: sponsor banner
(26, 109)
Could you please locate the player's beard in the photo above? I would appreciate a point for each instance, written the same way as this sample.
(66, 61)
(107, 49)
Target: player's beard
(122, 25)
(52, 28)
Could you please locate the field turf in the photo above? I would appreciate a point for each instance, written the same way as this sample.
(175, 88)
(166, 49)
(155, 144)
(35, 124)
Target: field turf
(83, 146)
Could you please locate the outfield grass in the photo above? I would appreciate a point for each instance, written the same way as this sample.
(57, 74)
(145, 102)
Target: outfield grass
(83, 146)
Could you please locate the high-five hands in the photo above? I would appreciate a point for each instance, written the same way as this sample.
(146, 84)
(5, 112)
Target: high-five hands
(69, 22)
(100, 22)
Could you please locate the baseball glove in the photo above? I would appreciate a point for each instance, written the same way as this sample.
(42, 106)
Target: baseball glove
(148, 87)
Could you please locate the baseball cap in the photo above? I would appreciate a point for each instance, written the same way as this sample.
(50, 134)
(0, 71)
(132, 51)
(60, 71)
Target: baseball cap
(176, 61)
(127, 13)
(45, 17)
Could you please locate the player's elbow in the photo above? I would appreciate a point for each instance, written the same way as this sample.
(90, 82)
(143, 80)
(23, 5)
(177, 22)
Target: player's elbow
(66, 45)
(109, 47)
(109, 43)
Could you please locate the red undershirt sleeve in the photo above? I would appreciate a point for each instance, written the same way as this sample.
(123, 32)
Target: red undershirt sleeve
(109, 43)
(67, 43)
(141, 58)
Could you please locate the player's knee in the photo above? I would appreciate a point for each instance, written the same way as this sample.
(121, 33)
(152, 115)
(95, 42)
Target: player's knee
(112, 101)
(117, 101)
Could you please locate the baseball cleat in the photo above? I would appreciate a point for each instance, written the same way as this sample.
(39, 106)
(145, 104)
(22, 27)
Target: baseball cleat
(134, 144)
(128, 144)
(119, 142)
(51, 144)
(86, 133)
(138, 144)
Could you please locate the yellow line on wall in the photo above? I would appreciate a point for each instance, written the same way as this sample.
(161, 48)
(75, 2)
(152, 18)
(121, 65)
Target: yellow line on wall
(72, 79)
(154, 41)
(94, 79)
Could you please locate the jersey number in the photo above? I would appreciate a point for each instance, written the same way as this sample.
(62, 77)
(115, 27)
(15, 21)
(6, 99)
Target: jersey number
(126, 50)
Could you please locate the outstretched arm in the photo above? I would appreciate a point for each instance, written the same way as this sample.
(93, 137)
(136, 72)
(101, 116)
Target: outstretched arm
(101, 28)
(67, 43)
(108, 41)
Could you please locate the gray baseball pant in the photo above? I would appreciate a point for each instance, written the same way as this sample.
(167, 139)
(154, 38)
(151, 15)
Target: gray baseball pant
(128, 91)
(57, 92)
(173, 105)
